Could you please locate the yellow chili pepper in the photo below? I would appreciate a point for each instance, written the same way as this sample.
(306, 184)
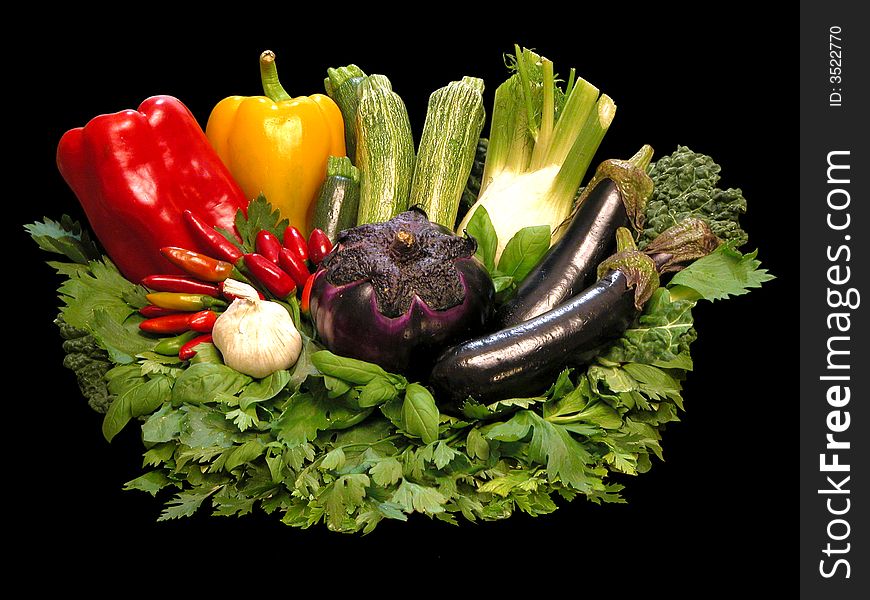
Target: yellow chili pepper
(278, 145)
(183, 301)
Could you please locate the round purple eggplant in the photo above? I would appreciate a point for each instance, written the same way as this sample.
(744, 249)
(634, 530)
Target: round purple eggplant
(397, 293)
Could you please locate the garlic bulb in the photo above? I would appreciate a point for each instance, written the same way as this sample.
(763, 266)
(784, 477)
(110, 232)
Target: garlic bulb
(257, 337)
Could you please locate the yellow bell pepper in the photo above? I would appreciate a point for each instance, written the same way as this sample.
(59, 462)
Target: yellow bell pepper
(278, 145)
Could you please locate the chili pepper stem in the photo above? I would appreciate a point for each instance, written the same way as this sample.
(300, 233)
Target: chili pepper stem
(269, 76)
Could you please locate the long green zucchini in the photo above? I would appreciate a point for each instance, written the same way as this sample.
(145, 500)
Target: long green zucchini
(342, 84)
(384, 151)
(454, 121)
(338, 202)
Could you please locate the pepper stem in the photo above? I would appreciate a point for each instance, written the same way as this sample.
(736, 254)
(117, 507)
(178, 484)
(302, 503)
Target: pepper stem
(269, 77)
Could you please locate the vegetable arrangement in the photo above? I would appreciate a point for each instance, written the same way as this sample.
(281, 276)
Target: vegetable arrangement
(460, 329)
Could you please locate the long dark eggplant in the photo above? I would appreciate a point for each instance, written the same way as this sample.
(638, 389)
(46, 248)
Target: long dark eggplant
(569, 266)
(522, 360)
(616, 197)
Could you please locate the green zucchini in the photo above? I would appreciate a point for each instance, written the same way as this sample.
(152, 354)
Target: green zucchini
(384, 151)
(448, 144)
(342, 84)
(338, 200)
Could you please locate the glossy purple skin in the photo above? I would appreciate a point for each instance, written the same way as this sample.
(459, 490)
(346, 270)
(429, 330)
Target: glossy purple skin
(349, 323)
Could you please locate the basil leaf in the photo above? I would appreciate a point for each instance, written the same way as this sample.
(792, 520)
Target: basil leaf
(149, 396)
(141, 399)
(480, 228)
(117, 417)
(351, 370)
(502, 282)
(203, 382)
(524, 251)
(420, 414)
(264, 389)
(375, 392)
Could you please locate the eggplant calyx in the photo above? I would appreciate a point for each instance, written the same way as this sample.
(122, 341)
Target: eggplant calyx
(677, 246)
(640, 273)
(631, 179)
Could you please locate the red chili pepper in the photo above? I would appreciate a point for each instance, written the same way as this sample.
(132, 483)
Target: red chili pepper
(268, 245)
(203, 321)
(198, 265)
(318, 245)
(295, 241)
(305, 302)
(294, 266)
(270, 275)
(180, 283)
(188, 350)
(149, 310)
(177, 323)
(212, 239)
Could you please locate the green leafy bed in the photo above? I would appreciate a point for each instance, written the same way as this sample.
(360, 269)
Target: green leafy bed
(343, 443)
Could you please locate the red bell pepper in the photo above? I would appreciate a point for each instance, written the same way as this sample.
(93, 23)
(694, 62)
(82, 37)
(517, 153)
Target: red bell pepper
(135, 172)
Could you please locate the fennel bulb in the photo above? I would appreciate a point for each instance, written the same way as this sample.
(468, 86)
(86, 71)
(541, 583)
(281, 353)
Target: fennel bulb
(542, 141)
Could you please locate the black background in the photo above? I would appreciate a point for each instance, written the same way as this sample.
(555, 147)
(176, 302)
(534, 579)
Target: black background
(721, 508)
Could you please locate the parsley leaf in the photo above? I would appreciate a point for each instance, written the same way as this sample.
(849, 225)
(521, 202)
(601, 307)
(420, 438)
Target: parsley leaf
(98, 286)
(386, 472)
(723, 273)
(342, 497)
(260, 215)
(66, 237)
(301, 421)
(184, 504)
(411, 496)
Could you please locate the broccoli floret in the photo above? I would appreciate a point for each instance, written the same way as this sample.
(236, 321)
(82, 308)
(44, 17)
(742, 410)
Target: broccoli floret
(685, 185)
(89, 362)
